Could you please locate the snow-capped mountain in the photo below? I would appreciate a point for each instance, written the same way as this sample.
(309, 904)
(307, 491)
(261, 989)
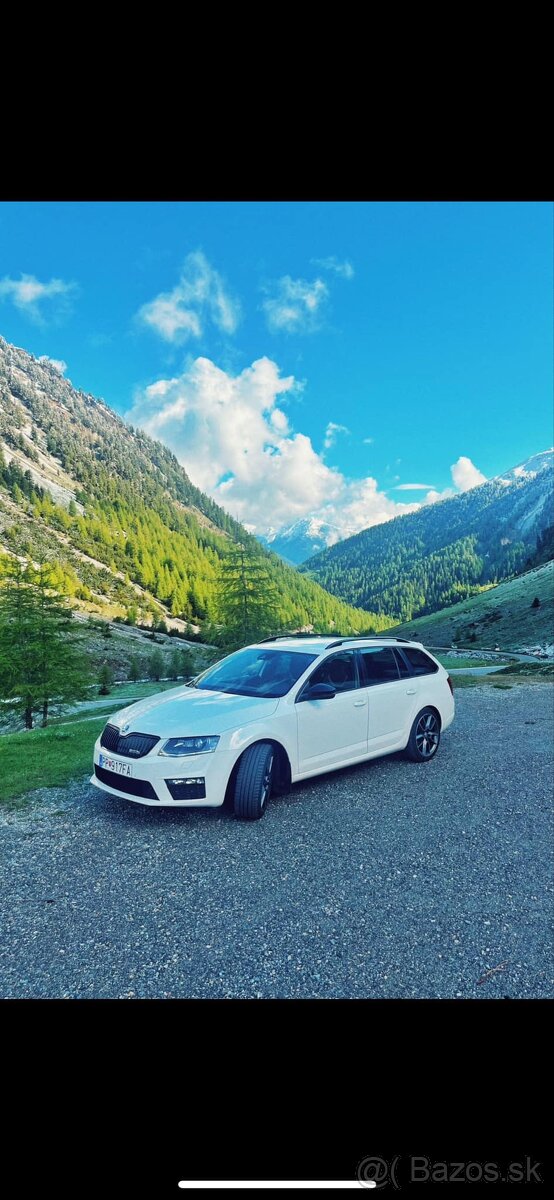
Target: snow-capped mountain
(303, 538)
(528, 469)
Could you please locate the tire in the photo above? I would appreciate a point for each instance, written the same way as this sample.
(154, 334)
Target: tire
(253, 781)
(425, 736)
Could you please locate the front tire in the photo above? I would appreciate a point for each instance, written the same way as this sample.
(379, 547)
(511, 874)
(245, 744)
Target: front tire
(253, 781)
(425, 736)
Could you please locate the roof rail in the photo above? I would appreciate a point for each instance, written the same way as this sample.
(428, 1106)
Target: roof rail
(361, 637)
(368, 637)
(275, 637)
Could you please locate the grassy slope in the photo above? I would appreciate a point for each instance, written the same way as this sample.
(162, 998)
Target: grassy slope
(62, 754)
(502, 615)
(128, 642)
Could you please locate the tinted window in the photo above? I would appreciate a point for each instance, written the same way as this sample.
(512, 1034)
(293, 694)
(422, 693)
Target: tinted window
(402, 666)
(338, 670)
(379, 666)
(256, 672)
(420, 663)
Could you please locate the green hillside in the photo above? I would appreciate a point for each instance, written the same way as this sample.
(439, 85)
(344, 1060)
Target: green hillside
(426, 560)
(503, 616)
(118, 513)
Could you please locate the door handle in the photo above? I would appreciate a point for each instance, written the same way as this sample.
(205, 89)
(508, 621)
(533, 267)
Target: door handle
(411, 691)
(359, 703)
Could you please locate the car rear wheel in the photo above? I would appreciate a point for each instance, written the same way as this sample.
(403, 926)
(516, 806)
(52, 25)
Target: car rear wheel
(425, 736)
(253, 781)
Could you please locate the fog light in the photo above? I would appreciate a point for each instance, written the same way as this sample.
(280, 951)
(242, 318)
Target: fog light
(187, 789)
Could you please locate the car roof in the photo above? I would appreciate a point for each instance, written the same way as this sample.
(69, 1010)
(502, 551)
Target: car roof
(318, 643)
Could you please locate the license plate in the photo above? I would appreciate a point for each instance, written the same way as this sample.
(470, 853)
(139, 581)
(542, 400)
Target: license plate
(113, 764)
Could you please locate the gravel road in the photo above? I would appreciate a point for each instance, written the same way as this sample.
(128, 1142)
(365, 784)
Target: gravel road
(389, 880)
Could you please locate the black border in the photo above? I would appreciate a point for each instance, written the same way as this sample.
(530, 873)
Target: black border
(126, 1098)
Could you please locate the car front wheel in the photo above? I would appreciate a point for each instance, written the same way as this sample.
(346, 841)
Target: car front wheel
(253, 781)
(424, 737)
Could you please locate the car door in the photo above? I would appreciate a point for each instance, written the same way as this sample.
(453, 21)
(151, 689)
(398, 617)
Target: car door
(390, 691)
(332, 731)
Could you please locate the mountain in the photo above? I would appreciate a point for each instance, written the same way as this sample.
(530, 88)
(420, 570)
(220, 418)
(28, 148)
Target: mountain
(423, 561)
(302, 539)
(118, 514)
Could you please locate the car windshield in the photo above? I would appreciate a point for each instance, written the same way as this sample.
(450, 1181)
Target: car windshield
(261, 672)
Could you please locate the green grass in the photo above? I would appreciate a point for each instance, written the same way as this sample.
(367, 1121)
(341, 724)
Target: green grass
(52, 757)
(43, 758)
(531, 669)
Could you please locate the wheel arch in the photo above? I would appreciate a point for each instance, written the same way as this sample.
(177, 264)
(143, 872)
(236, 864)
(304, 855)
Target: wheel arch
(283, 778)
(434, 709)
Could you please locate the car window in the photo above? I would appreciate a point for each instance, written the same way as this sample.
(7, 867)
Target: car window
(402, 664)
(378, 666)
(420, 663)
(252, 672)
(339, 670)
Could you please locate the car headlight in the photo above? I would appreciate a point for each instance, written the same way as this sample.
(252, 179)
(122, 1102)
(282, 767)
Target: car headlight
(176, 747)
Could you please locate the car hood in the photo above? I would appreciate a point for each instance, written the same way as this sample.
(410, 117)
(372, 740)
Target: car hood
(184, 711)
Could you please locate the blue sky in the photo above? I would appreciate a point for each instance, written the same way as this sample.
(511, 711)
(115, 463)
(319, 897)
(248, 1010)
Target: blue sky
(299, 357)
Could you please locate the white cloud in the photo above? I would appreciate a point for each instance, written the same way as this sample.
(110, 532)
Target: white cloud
(433, 496)
(368, 441)
(57, 363)
(466, 475)
(332, 263)
(29, 296)
(232, 435)
(331, 434)
(198, 298)
(359, 505)
(412, 487)
(296, 305)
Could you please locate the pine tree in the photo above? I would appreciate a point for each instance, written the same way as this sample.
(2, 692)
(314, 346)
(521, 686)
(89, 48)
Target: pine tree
(105, 679)
(134, 669)
(175, 664)
(156, 665)
(186, 663)
(247, 599)
(41, 659)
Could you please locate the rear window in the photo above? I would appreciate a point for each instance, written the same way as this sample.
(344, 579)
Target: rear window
(379, 666)
(420, 663)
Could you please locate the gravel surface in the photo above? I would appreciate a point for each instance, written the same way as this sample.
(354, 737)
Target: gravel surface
(393, 879)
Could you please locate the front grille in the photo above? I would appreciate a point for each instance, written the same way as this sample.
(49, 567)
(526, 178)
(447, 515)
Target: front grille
(135, 787)
(187, 789)
(134, 745)
(110, 737)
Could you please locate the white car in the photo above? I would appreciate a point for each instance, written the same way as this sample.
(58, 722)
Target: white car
(267, 716)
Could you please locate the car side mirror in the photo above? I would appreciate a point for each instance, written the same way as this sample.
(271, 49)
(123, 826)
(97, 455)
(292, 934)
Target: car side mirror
(320, 691)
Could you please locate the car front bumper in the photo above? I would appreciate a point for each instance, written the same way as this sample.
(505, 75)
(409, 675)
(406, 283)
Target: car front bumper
(147, 783)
